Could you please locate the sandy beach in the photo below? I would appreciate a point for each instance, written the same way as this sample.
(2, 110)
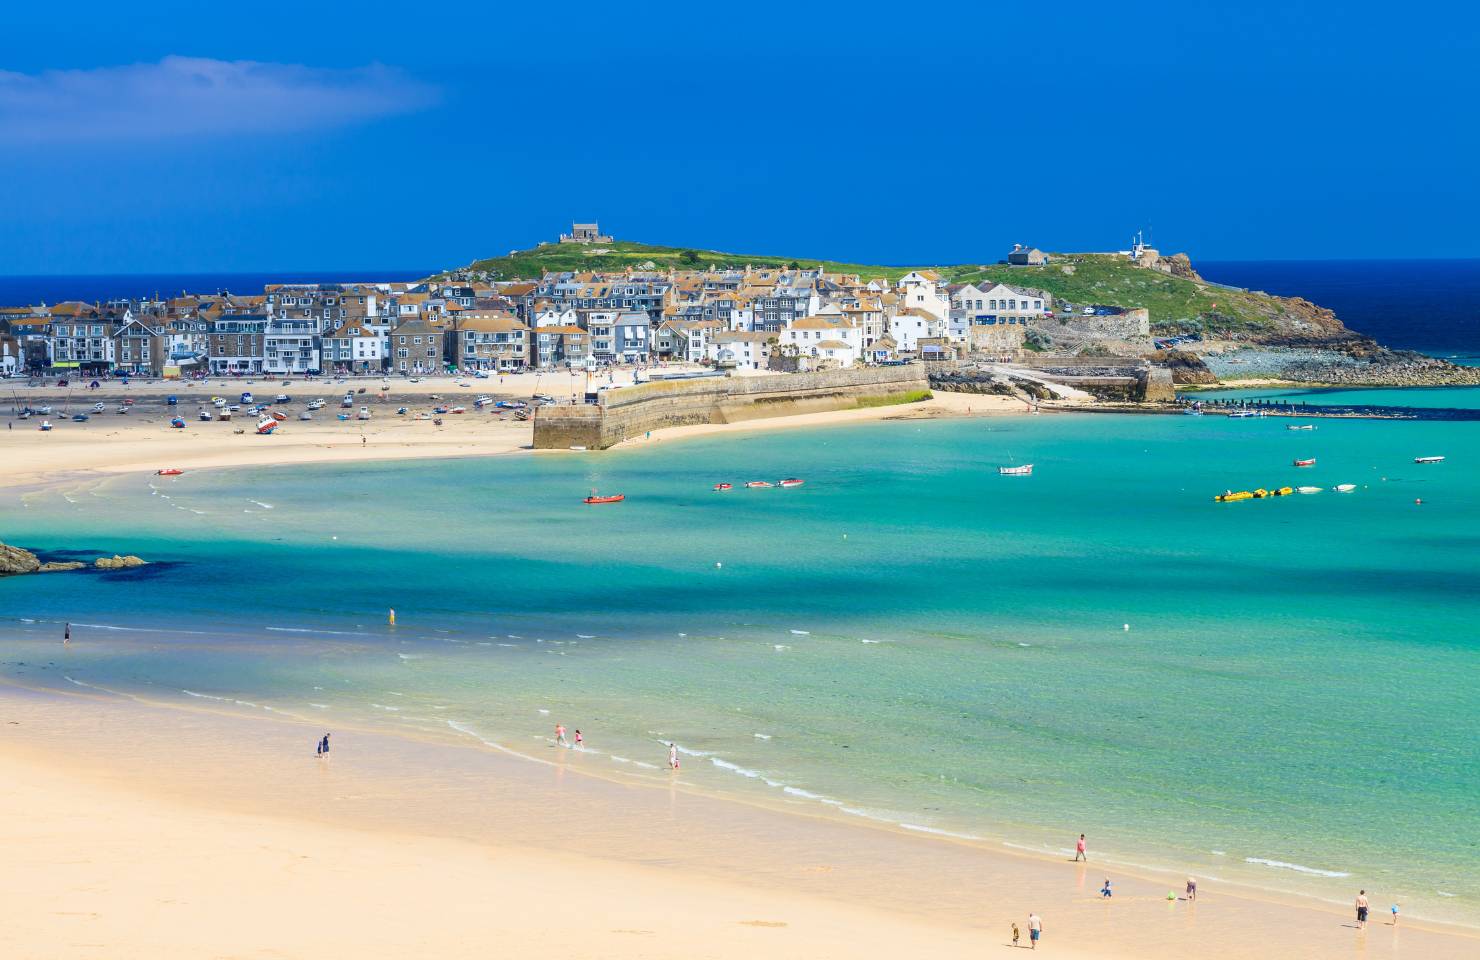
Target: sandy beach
(136, 830)
(143, 439)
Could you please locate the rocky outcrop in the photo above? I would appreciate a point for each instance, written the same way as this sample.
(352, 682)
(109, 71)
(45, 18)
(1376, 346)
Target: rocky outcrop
(14, 560)
(1187, 368)
(117, 562)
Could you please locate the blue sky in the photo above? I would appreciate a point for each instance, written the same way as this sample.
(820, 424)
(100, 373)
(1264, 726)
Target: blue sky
(180, 137)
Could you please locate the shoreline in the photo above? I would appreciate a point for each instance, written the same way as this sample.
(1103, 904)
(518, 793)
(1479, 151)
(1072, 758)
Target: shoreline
(823, 886)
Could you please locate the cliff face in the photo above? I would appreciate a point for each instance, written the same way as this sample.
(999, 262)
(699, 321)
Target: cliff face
(14, 560)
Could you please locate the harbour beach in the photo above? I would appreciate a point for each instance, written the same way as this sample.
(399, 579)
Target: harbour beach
(503, 662)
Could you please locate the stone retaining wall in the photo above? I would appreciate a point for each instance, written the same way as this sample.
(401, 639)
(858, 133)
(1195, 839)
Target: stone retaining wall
(631, 411)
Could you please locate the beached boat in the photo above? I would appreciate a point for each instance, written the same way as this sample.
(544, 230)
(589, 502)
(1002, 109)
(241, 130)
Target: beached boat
(1428, 459)
(724, 486)
(791, 482)
(760, 483)
(266, 425)
(1307, 489)
(1306, 463)
(457, 410)
(364, 413)
(615, 498)
(1301, 426)
(169, 472)
(1346, 487)
(45, 425)
(1023, 471)
(204, 415)
(279, 415)
(1231, 496)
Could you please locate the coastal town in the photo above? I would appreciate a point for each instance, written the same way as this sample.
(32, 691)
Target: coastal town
(746, 319)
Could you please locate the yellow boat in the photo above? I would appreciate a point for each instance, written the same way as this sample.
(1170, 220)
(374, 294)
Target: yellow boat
(1282, 492)
(1261, 493)
(1231, 496)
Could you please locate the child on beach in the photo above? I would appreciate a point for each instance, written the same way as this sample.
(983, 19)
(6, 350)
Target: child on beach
(579, 741)
(560, 734)
(1191, 889)
(1361, 909)
(1395, 914)
(1015, 933)
(1105, 890)
(673, 756)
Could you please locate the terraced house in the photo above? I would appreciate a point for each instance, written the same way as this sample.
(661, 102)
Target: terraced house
(237, 343)
(416, 348)
(489, 340)
(139, 349)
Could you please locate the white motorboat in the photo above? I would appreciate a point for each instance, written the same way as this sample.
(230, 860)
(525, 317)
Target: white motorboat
(1428, 459)
(1023, 471)
(1345, 487)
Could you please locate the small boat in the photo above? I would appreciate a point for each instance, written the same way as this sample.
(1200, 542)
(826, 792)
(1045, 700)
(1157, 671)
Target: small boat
(178, 423)
(279, 415)
(423, 416)
(1231, 496)
(724, 486)
(122, 409)
(1023, 471)
(266, 425)
(401, 411)
(1301, 426)
(316, 405)
(439, 409)
(203, 415)
(1307, 489)
(1281, 492)
(1428, 459)
(1241, 414)
(169, 472)
(83, 418)
(1193, 412)
(453, 410)
(1306, 463)
(282, 398)
(791, 482)
(1345, 487)
(45, 425)
(760, 483)
(98, 407)
(521, 414)
(615, 498)
(1261, 493)
(305, 415)
(364, 413)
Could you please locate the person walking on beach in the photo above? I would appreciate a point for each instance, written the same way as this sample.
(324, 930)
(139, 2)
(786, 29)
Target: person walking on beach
(560, 735)
(1079, 853)
(579, 741)
(673, 756)
(324, 747)
(1035, 930)
(1015, 933)
(1191, 889)
(1361, 909)
(1105, 891)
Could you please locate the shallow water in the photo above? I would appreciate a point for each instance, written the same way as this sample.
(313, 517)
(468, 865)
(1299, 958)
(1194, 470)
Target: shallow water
(908, 637)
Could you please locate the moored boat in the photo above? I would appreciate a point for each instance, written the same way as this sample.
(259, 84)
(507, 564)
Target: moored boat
(1307, 489)
(614, 498)
(791, 482)
(1231, 496)
(169, 472)
(724, 486)
(1022, 471)
(1281, 492)
(1301, 426)
(1346, 487)
(1306, 463)
(760, 483)
(1428, 459)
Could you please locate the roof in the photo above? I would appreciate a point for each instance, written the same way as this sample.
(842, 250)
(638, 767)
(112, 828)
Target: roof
(833, 345)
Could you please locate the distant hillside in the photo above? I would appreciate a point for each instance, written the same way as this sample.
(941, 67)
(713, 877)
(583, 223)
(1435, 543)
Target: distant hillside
(1177, 303)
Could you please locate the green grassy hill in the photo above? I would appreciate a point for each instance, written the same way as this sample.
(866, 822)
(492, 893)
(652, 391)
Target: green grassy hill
(1175, 303)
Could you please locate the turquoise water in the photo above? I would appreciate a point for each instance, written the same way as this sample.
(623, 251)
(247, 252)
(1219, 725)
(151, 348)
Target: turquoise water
(1463, 398)
(909, 637)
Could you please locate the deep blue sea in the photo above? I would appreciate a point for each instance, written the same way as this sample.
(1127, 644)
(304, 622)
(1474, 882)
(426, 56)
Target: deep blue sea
(1428, 305)
(54, 288)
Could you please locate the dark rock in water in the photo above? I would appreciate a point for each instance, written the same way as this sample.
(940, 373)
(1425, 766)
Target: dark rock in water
(117, 562)
(14, 560)
(56, 566)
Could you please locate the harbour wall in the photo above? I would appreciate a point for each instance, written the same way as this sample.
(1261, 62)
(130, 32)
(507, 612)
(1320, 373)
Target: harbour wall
(632, 411)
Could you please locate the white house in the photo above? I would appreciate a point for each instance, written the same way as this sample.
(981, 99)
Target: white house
(291, 346)
(739, 349)
(829, 335)
(908, 327)
(921, 290)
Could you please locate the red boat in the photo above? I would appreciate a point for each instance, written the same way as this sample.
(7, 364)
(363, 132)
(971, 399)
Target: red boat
(791, 482)
(760, 483)
(618, 498)
(724, 486)
(171, 472)
(1306, 463)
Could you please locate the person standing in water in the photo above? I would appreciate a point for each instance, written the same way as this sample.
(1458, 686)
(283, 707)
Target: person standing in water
(579, 741)
(1395, 914)
(67, 634)
(1035, 929)
(673, 756)
(560, 735)
(1362, 909)
(324, 747)
(1079, 853)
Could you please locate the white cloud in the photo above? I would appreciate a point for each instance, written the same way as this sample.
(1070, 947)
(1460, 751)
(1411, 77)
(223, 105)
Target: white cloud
(187, 96)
